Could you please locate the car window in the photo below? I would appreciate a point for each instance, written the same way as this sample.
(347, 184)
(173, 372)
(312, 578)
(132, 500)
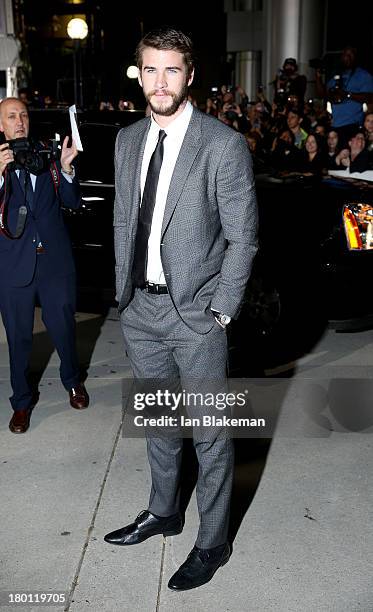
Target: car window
(96, 161)
(98, 131)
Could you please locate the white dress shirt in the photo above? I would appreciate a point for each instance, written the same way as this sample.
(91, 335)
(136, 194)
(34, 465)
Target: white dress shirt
(68, 177)
(171, 147)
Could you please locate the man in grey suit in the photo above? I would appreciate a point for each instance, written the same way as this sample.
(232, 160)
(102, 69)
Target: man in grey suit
(185, 223)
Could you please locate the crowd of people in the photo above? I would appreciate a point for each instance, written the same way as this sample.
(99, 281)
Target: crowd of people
(290, 134)
(293, 135)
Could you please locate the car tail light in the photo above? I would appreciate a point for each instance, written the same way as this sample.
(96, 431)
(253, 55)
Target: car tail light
(358, 224)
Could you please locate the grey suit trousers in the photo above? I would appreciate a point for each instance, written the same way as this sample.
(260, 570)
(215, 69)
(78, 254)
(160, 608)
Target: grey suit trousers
(161, 346)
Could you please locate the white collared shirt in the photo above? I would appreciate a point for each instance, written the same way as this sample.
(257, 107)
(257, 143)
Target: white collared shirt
(33, 177)
(171, 147)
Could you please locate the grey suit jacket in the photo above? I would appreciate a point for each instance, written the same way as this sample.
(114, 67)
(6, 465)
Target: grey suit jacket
(209, 231)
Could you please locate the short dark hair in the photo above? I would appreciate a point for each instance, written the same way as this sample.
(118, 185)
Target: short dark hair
(286, 130)
(167, 39)
(291, 61)
(295, 111)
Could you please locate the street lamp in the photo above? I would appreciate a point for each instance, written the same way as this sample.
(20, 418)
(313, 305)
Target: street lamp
(132, 72)
(77, 29)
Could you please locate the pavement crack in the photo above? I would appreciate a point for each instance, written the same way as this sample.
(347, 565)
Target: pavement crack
(161, 574)
(308, 515)
(92, 524)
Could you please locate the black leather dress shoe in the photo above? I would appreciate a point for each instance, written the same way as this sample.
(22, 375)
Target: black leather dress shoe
(144, 526)
(79, 398)
(199, 567)
(20, 421)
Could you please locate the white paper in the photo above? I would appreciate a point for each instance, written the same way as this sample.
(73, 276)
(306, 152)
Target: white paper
(74, 128)
(367, 175)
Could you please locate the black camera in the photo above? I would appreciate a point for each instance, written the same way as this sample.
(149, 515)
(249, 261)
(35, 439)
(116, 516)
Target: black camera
(214, 93)
(36, 158)
(281, 97)
(231, 115)
(317, 63)
(337, 92)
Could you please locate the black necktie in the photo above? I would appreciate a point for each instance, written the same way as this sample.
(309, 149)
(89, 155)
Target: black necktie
(25, 180)
(146, 214)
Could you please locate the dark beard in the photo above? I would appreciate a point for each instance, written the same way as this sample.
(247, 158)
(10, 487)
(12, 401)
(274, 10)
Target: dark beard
(177, 100)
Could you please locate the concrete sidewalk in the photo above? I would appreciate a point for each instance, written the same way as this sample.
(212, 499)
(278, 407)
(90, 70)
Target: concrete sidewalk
(303, 543)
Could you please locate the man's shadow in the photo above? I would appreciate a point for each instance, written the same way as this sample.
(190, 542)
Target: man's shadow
(88, 330)
(250, 460)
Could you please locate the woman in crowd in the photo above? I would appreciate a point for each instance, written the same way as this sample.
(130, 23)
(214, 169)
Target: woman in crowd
(332, 149)
(356, 157)
(312, 159)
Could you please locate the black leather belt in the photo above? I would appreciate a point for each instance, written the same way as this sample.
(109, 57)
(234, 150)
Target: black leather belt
(154, 288)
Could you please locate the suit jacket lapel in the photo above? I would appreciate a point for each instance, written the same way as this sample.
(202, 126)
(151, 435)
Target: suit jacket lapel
(188, 152)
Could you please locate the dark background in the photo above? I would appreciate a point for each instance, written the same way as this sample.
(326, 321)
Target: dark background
(351, 23)
(116, 27)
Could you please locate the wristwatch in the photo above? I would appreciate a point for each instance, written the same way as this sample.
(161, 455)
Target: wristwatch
(69, 172)
(222, 319)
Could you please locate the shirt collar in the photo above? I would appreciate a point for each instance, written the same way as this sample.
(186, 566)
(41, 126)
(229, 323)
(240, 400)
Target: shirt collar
(177, 127)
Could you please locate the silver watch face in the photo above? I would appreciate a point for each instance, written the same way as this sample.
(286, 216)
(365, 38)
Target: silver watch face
(224, 319)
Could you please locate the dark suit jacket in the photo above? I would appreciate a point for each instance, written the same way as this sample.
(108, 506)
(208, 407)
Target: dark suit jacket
(18, 257)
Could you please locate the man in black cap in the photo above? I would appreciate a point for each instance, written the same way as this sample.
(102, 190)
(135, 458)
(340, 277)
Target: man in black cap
(289, 82)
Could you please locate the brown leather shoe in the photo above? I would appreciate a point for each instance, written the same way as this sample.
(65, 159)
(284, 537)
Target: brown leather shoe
(79, 397)
(20, 421)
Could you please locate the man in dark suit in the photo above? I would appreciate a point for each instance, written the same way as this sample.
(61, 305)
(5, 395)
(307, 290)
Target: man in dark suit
(37, 264)
(185, 237)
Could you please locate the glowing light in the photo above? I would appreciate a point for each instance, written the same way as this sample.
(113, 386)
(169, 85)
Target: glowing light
(77, 28)
(132, 72)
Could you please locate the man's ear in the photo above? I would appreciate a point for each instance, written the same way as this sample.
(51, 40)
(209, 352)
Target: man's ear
(191, 77)
(139, 77)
